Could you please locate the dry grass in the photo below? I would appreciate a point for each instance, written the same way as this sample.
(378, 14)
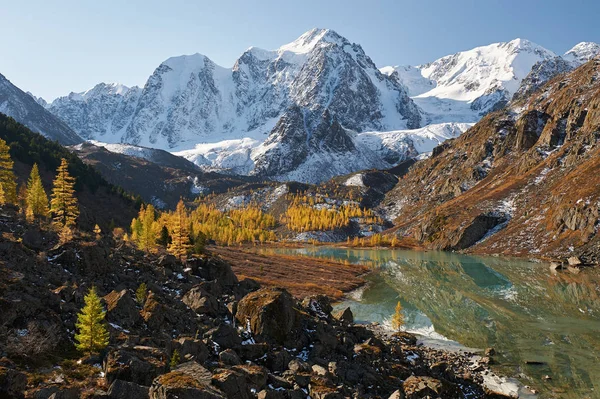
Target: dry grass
(301, 276)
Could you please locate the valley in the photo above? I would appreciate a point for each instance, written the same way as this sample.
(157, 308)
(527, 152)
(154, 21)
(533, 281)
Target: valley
(306, 224)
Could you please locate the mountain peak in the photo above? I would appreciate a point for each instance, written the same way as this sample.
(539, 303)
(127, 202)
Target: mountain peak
(582, 52)
(309, 40)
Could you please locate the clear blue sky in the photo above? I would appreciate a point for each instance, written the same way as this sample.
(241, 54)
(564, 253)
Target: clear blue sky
(53, 47)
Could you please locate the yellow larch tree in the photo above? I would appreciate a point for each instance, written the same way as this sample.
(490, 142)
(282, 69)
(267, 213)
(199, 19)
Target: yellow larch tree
(180, 239)
(36, 199)
(63, 205)
(8, 182)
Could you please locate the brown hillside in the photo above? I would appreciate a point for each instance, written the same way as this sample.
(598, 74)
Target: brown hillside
(529, 174)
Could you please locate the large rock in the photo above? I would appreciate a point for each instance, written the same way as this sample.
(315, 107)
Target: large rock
(121, 309)
(140, 364)
(154, 312)
(225, 336)
(12, 383)
(212, 269)
(256, 376)
(200, 301)
(191, 349)
(232, 383)
(270, 313)
(188, 381)
(318, 305)
(344, 316)
(125, 389)
(427, 387)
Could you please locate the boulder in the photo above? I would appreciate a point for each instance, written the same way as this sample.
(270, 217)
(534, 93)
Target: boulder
(278, 361)
(125, 389)
(299, 366)
(192, 349)
(213, 269)
(232, 383)
(229, 358)
(95, 258)
(68, 393)
(320, 388)
(12, 383)
(256, 376)
(44, 393)
(318, 305)
(269, 312)
(188, 381)
(34, 239)
(426, 387)
(574, 261)
(121, 309)
(140, 364)
(225, 336)
(154, 312)
(200, 301)
(344, 316)
(253, 351)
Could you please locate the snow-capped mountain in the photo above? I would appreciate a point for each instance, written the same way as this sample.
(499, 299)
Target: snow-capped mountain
(303, 111)
(99, 113)
(464, 86)
(545, 70)
(330, 151)
(190, 99)
(582, 53)
(27, 110)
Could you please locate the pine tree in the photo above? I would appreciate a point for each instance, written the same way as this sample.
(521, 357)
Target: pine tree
(141, 293)
(92, 336)
(175, 359)
(147, 236)
(64, 204)
(8, 181)
(180, 238)
(36, 198)
(398, 317)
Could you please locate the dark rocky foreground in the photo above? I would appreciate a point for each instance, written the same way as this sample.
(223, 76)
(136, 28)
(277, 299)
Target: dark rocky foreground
(235, 339)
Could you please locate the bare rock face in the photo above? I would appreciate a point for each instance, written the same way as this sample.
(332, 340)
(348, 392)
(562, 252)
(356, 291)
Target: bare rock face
(269, 312)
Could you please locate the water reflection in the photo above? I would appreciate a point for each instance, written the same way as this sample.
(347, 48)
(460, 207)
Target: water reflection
(517, 307)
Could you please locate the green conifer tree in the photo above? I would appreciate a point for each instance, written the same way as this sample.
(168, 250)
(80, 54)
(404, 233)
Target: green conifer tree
(92, 335)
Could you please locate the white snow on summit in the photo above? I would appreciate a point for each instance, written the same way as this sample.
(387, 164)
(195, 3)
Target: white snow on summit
(464, 86)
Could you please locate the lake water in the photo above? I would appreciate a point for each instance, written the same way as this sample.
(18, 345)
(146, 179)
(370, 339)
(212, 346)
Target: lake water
(540, 324)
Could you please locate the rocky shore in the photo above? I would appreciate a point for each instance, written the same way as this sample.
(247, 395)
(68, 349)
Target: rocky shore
(233, 339)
